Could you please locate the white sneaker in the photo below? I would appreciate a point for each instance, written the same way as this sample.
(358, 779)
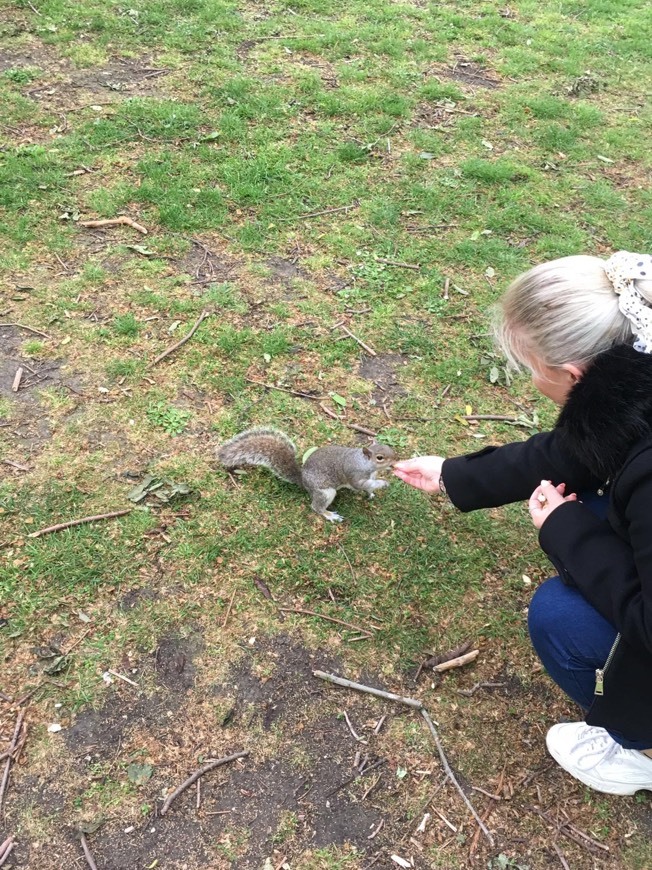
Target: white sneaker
(592, 756)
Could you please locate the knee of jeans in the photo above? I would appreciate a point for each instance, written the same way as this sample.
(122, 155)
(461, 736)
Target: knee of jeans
(547, 614)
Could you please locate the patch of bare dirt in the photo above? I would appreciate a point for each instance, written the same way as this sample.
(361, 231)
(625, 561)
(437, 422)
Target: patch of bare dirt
(325, 69)
(209, 265)
(123, 76)
(469, 73)
(29, 425)
(382, 370)
(308, 795)
(137, 597)
(284, 270)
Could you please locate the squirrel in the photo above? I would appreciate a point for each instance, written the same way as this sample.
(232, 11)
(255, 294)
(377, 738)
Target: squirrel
(326, 469)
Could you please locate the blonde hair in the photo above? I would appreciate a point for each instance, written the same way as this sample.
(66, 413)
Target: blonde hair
(563, 311)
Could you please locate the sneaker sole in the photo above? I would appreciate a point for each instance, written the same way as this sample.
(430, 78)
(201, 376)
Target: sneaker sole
(623, 790)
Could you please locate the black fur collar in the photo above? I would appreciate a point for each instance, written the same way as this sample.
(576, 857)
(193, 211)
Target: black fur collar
(609, 410)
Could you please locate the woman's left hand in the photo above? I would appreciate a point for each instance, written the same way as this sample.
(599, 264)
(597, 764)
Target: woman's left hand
(545, 499)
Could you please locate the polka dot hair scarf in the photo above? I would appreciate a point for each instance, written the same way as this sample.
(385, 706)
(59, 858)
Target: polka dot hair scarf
(624, 270)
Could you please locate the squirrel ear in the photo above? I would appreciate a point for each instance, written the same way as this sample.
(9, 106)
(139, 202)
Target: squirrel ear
(366, 452)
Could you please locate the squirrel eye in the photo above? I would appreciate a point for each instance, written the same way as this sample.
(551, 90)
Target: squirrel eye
(379, 457)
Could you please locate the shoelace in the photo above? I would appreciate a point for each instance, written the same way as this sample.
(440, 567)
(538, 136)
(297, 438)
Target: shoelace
(599, 746)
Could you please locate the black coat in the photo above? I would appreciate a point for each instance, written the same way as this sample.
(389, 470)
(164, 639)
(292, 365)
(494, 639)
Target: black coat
(602, 440)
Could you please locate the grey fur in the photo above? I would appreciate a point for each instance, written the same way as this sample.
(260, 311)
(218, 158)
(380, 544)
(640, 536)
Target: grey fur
(325, 471)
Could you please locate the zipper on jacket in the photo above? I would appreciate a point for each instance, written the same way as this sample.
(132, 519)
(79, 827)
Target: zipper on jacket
(600, 672)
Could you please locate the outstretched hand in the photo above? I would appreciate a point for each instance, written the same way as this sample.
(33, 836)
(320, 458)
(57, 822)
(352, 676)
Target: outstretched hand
(545, 499)
(423, 472)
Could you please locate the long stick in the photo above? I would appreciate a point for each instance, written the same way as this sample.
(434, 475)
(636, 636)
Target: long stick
(27, 328)
(359, 687)
(398, 264)
(5, 846)
(12, 747)
(366, 347)
(451, 775)
(353, 426)
(457, 662)
(504, 417)
(7, 852)
(87, 853)
(282, 389)
(326, 211)
(78, 522)
(195, 776)
(327, 618)
(176, 346)
(115, 222)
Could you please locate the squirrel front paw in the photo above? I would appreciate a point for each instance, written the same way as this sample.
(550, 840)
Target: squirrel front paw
(332, 517)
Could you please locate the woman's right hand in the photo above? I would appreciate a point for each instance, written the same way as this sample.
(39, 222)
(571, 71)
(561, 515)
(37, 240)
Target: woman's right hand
(423, 472)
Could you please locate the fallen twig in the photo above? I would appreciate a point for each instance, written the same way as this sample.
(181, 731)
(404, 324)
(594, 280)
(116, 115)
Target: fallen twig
(570, 831)
(439, 659)
(352, 729)
(182, 341)
(359, 687)
(458, 662)
(348, 561)
(302, 610)
(355, 776)
(314, 214)
(371, 787)
(353, 426)
(397, 263)
(560, 855)
(363, 429)
(15, 465)
(6, 849)
(218, 762)
(78, 522)
(505, 417)
(446, 821)
(494, 797)
(115, 222)
(355, 338)
(228, 609)
(283, 390)
(447, 284)
(12, 748)
(379, 724)
(451, 775)
(87, 853)
(17, 379)
(27, 328)
(469, 692)
(122, 677)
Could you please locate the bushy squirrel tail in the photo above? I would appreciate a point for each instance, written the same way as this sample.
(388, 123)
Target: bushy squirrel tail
(263, 446)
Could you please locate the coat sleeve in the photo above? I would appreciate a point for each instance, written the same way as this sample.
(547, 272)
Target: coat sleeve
(500, 475)
(612, 573)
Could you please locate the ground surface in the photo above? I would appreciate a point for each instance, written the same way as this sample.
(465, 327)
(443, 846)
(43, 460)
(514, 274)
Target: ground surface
(297, 164)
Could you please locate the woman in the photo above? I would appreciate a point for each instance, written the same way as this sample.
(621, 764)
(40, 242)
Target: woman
(583, 327)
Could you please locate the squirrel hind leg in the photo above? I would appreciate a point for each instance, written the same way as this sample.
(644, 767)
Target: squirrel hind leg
(321, 499)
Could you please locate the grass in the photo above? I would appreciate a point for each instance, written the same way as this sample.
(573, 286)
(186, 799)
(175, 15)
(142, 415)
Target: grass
(277, 160)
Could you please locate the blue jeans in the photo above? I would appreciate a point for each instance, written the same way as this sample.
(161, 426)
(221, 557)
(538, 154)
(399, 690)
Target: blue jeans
(571, 638)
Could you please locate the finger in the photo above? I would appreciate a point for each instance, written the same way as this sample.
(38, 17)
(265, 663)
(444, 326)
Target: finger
(537, 501)
(411, 479)
(561, 488)
(406, 475)
(408, 464)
